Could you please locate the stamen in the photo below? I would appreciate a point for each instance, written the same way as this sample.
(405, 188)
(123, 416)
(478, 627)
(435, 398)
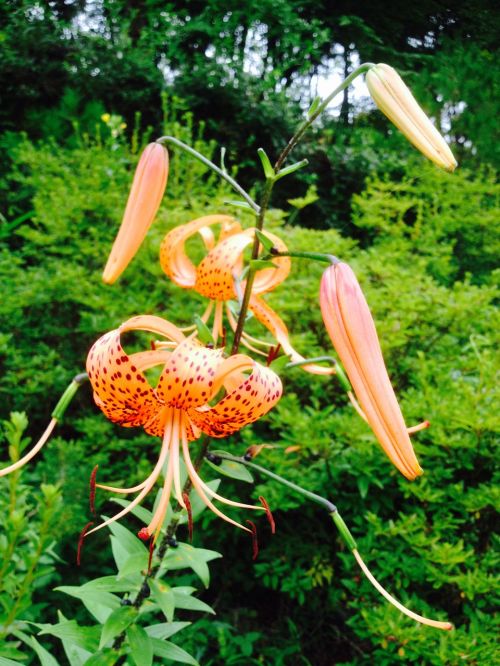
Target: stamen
(33, 452)
(81, 537)
(268, 514)
(447, 626)
(255, 543)
(92, 490)
(418, 427)
(187, 502)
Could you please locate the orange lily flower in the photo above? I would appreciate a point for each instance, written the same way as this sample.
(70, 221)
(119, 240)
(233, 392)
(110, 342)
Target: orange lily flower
(351, 328)
(145, 196)
(178, 409)
(216, 278)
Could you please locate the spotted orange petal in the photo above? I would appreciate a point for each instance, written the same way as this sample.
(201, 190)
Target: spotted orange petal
(215, 275)
(121, 390)
(173, 258)
(188, 377)
(253, 398)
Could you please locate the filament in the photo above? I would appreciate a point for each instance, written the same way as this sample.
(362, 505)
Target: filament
(22, 461)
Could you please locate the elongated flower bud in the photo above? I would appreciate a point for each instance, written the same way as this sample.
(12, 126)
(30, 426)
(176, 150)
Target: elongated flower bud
(143, 202)
(350, 326)
(395, 100)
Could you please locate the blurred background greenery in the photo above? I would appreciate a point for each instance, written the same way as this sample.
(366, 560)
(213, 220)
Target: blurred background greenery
(422, 242)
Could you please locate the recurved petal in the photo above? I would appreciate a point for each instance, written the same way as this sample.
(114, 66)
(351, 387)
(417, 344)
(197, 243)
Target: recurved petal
(216, 274)
(253, 398)
(173, 258)
(121, 389)
(351, 328)
(143, 202)
(188, 377)
(277, 327)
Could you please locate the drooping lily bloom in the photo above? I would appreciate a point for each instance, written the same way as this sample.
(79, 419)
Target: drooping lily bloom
(351, 328)
(145, 196)
(396, 101)
(179, 408)
(217, 277)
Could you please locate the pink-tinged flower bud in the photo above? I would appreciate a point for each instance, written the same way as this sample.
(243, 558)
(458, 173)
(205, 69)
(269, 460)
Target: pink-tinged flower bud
(350, 326)
(395, 100)
(143, 202)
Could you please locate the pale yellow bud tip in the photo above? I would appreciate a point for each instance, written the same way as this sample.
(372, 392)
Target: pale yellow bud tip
(395, 100)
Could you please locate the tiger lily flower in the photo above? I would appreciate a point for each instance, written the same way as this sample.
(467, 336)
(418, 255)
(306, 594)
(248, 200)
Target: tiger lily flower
(396, 101)
(178, 409)
(145, 196)
(216, 278)
(350, 326)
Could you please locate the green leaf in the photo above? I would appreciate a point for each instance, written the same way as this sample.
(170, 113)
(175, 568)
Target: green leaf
(105, 657)
(136, 563)
(113, 584)
(85, 637)
(77, 656)
(231, 468)
(100, 604)
(279, 364)
(264, 240)
(290, 169)
(188, 602)
(46, 659)
(204, 333)
(238, 204)
(167, 650)
(141, 647)
(164, 597)
(165, 629)
(186, 556)
(117, 622)
(266, 164)
(315, 103)
(8, 662)
(260, 264)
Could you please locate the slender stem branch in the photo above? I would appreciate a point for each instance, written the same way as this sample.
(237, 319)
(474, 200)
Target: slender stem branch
(329, 506)
(315, 256)
(311, 118)
(266, 196)
(208, 163)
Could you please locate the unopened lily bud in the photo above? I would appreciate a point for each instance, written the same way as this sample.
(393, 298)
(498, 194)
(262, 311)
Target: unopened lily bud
(395, 100)
(350, 326)
(143, 202)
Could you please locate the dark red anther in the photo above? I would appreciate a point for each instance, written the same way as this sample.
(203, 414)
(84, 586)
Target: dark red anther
(255, 543)
(185, 497)
(80, 541)
(268, 514)
(273, 354)
(92, 490)
(153, 345)
(143, 534)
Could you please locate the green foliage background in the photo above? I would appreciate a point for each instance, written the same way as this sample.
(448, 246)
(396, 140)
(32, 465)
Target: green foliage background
(423, 245)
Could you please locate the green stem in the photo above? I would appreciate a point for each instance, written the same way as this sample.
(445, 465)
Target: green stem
(329, 506)
(68, 396)
(315, 256)
(267, 195)
(221, 172)
(310, 119)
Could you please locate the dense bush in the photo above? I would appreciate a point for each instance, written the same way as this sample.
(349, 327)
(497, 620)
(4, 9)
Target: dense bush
(423, 254)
